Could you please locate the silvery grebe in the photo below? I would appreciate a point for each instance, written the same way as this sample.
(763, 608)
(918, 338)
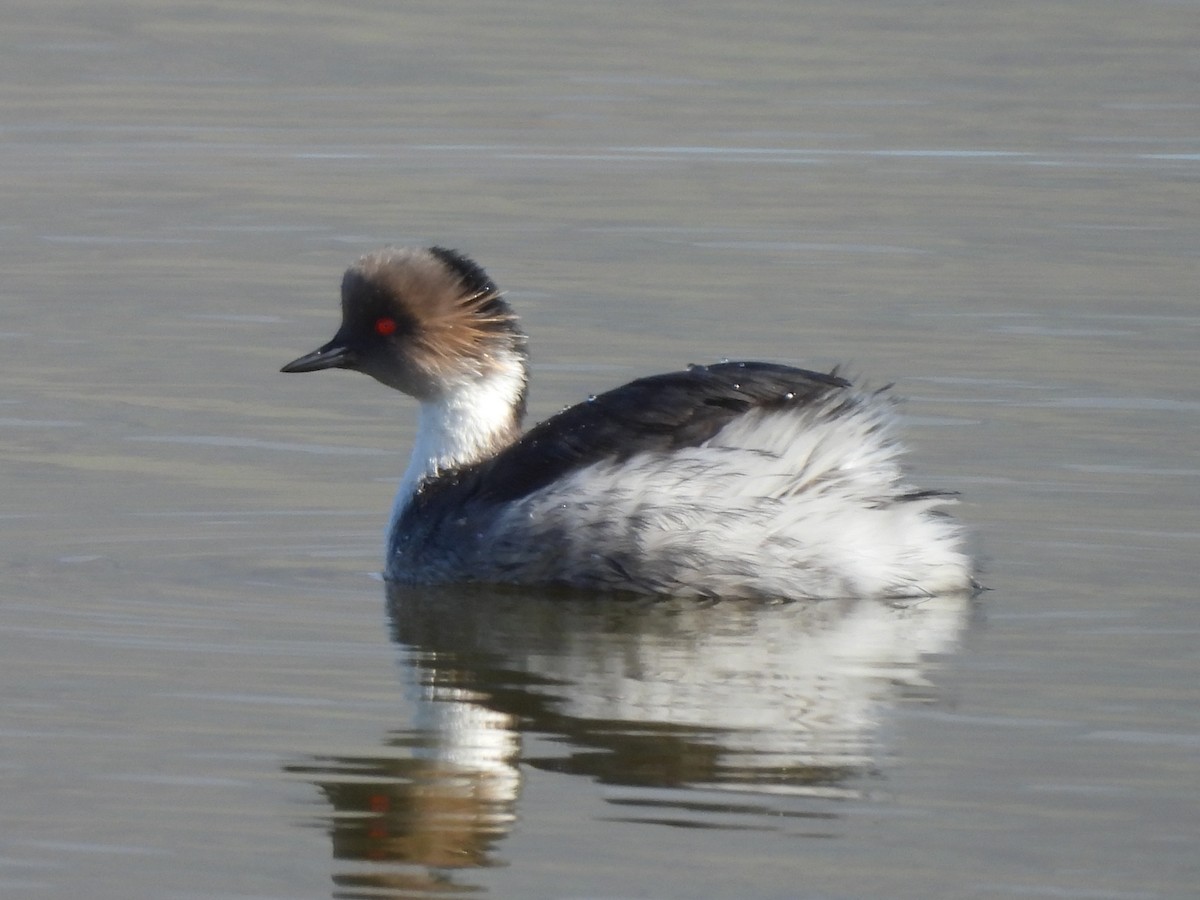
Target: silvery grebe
(736, 479)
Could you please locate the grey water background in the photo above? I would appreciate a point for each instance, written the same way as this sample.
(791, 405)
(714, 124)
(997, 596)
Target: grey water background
(204, 691)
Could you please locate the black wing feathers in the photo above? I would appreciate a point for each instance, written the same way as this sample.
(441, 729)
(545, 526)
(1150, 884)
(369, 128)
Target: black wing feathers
(660, 413)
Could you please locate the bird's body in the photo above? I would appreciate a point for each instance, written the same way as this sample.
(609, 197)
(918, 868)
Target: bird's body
(736, 479)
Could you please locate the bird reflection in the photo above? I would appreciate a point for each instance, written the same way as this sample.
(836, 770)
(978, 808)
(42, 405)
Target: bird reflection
(728, 714)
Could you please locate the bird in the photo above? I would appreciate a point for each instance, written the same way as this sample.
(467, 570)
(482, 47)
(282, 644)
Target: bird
(735, 479)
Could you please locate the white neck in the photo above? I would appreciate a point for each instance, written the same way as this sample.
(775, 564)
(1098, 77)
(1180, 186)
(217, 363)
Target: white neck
(468, 424)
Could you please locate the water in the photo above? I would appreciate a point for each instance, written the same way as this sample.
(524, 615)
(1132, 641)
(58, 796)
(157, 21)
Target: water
(207, 694)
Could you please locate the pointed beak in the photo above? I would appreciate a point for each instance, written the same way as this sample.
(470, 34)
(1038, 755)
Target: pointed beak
(334, 355)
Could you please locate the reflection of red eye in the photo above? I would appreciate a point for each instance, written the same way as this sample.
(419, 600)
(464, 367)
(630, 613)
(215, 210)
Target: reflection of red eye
(385, 326)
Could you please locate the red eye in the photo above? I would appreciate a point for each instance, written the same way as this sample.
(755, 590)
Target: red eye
(385, 326)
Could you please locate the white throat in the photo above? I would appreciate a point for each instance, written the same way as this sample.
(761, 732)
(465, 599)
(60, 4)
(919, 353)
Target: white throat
(469, 424)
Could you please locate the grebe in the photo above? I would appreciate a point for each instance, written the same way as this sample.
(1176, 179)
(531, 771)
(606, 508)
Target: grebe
(738, 479)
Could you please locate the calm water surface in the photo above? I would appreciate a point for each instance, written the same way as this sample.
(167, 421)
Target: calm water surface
(207, 693)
